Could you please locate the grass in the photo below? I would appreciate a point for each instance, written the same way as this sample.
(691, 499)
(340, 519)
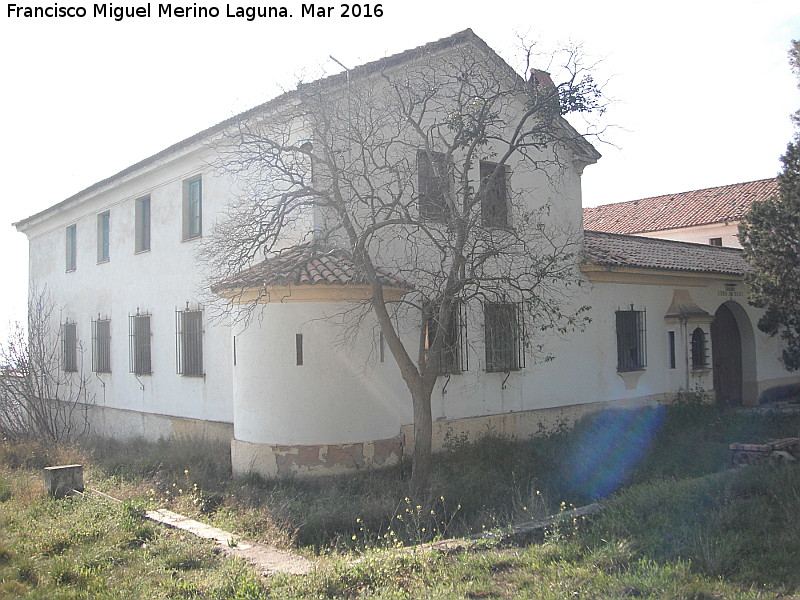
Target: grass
(674, 525)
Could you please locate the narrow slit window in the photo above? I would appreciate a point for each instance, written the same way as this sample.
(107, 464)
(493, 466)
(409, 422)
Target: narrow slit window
(298, 347)
(671, 349)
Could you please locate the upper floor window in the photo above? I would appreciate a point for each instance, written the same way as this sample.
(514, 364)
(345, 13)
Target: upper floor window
(142, 224)
(103, 236)
(139, 333)
(699, 349)
(69, 347)
(434, 185)
(631, 342)
(715, 241)
(101, 346)
(192, 208)
(189, 330)
(453, 355)
(494, 203)
(72, 247)
(503, 324)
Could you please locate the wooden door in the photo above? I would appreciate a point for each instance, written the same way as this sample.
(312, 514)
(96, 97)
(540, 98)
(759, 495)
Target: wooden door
(726, 345)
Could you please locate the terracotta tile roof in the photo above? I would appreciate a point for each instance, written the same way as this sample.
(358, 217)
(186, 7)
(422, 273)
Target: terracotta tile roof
(616, 250)
(674, 211)
(307, 264)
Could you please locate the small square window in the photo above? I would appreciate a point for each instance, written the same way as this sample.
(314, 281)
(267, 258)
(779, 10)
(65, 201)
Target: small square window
(715, 241)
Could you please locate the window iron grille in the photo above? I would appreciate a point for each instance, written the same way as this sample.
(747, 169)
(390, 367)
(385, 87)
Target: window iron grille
(101, 345)
(189, 342)
(504, 326)
(140, 333)
(631, 340)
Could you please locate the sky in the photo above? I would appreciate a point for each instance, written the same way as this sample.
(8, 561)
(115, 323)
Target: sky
(701, 91)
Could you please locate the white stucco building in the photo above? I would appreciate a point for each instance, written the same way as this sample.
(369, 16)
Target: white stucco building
(121, 259)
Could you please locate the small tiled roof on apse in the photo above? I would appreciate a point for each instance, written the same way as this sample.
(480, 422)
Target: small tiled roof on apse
(308, 264)
(684, 209)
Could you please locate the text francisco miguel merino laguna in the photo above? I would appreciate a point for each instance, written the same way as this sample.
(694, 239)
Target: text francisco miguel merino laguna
(118, 13)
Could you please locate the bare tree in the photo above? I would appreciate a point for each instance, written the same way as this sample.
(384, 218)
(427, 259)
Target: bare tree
(43, 390)
(437, 168)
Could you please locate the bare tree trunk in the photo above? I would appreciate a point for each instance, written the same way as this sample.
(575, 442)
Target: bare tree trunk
(423, 431)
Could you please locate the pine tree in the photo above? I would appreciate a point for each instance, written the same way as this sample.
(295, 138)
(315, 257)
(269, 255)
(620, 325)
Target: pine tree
(770, 236)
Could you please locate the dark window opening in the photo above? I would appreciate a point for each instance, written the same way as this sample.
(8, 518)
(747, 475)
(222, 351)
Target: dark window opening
(671, 349)
(69, 347)
(699, 349)
(434, 186)
(715, 241)
(298, 347)
(494, 204)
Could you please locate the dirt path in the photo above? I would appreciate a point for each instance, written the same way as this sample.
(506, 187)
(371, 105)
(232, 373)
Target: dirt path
(267, 559)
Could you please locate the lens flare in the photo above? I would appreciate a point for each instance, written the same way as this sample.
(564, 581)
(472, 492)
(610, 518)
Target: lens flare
(613, 443)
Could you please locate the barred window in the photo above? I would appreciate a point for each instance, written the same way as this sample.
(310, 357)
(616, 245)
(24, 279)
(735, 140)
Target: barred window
(631, 340)
(101, 346)
(699, 349)
(494, 204)
(434, 185)
(453, 354)
(139, 335)
(504, 325)
(189, 343)
(69, 347)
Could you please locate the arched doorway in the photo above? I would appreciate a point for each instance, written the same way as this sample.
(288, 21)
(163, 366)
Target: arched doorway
(726, 342)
